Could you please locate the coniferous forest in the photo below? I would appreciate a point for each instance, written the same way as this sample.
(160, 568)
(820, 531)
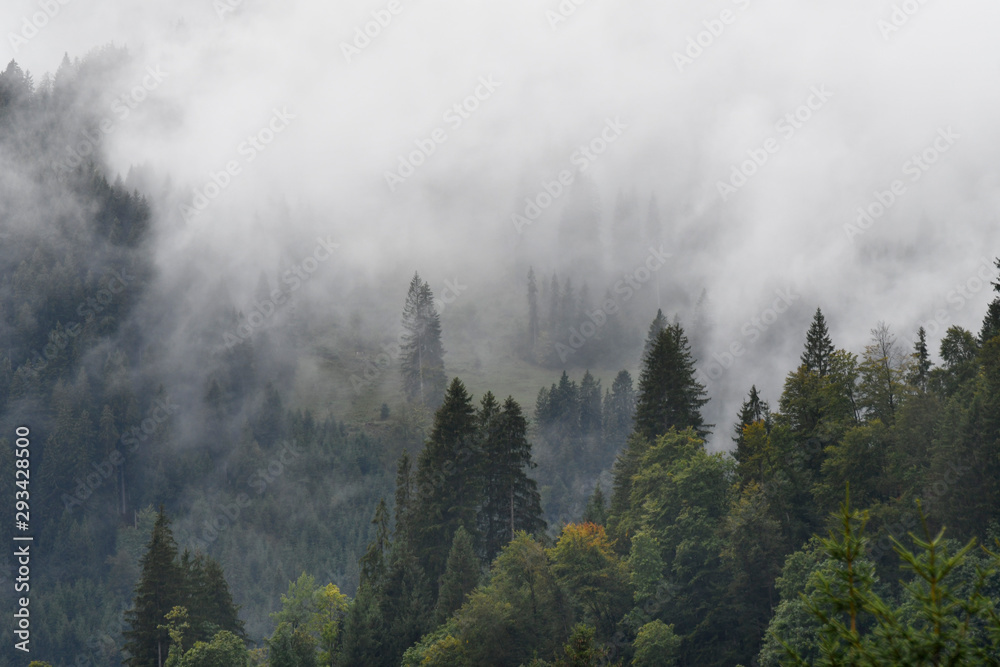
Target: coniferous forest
(240, 428)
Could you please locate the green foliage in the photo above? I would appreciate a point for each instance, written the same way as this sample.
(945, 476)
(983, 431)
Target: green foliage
(669, 394)
(225, 650)
(291, 647)
(587, 567)
(159, 590)
(460, 577)
(819, 347)
(422, 356)
(656, 645)
(933, 624)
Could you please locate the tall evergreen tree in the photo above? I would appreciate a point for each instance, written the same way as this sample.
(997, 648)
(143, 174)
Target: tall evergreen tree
(160, 589)
(422, 356)
(619, 411)
(819, 347)
(590, 406)
(532, 311)
(669, 394)
(753, 410)
(447, 477)
(510, 498)
(596, 510)
(921, 361)
(659, 324)
(461, 575)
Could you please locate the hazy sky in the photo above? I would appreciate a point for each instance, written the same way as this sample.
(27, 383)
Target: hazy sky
(881, 91)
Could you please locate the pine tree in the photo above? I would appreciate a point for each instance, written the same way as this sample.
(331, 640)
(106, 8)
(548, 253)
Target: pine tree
(159, 590)
(921, 361)
(590, 406)
(596, 510)
(461, 575)
(669, 395)
(208, 599)
(422, 356)
(819, 347)
(619, 412)
(447, 476)
(659, 324)
(373, 563)
(532, 312)
(510, 498)
(753, 410)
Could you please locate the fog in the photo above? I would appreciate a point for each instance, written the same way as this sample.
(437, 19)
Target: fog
(885, 81)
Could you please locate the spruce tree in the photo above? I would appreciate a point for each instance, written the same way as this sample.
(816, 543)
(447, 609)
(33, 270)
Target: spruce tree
(510, 500)
(753, 410)
(659, 324)
(669, 395)
(532, 312)
(596, 510)
(447, 476)
(819, 347)
(208, 599)
(461, 575)
(160, 589)
(619, 411)
(422, 356)
(590, 406)
(921, 361)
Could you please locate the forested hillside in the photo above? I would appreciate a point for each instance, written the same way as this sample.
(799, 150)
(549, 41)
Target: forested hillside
(369, 475)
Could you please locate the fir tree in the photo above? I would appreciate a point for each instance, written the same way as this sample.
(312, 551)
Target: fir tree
(532, 312)
(422, 356)
(510, 498)
(921, 361)
(619, 411)
(160, 589)
(753, 410)
(819, 347)
(596, 510)
(461, 575)
(447, 477)
(590, 406)
(669, 395)
(659, 324)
